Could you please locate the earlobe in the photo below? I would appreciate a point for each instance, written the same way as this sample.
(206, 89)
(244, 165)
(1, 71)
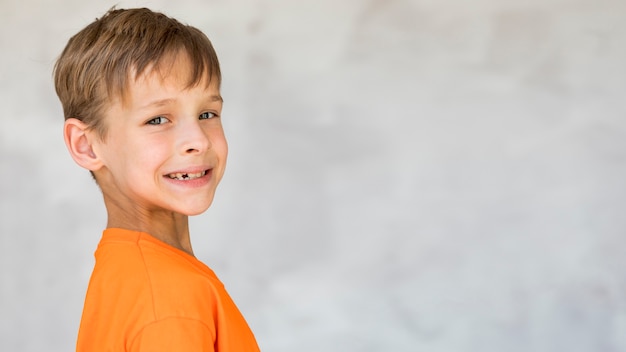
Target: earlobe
(80, 144)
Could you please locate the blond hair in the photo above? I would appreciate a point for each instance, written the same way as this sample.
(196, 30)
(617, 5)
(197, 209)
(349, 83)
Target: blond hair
(99, 61)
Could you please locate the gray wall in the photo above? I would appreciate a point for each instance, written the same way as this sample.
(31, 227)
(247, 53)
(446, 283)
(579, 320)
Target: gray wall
(404, 175)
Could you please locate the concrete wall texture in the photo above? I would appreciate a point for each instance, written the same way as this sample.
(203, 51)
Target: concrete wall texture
(404, 175)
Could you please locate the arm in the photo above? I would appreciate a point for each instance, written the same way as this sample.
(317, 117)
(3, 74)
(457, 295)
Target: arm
(174, 335)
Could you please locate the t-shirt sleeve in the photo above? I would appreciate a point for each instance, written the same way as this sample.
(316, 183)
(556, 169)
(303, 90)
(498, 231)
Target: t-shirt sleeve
(174, 335)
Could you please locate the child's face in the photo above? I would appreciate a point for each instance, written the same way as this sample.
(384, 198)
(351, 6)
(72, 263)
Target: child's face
(165, 147)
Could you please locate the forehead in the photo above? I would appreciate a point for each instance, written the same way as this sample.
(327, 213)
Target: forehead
(170, 75)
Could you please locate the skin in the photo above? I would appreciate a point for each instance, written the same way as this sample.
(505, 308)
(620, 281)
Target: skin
(161, 130)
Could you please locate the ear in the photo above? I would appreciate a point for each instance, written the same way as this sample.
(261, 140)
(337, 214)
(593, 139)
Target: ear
(79, 140)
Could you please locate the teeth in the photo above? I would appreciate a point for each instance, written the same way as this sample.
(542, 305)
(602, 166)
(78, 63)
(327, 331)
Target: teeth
(185, 176)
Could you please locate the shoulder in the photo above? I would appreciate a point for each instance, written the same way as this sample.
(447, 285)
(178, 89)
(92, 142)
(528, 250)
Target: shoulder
(154, 281)
(180, 285)
(119, 267)
(140, 290)
(146, 261)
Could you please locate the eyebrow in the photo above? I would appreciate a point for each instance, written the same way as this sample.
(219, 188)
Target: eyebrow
(163, 102)
(157, 103)
(216, 98)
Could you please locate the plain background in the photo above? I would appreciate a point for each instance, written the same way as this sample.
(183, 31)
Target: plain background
(404, 175)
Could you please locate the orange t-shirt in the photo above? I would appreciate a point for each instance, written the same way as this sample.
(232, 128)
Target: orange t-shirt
(145, 295)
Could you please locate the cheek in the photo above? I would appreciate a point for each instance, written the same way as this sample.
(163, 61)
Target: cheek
(225, 148)
(135, 160)
(220, 144)
(149, 150)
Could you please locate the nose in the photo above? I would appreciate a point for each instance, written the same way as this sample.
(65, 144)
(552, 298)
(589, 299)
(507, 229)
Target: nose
(193, 138)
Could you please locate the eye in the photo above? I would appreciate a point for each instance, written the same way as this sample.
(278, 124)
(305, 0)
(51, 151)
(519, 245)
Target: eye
(207, 115)
(159, 120)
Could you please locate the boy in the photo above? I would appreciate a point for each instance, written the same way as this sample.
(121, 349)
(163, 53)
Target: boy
(140, 94)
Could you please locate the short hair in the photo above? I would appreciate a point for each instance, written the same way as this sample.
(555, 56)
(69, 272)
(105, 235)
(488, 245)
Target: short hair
(99, 61)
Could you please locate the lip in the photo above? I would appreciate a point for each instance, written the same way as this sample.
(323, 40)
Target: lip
(196, 182)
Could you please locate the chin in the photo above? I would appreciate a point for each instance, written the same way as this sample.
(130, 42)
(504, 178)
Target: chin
(196, 210)
(194, 213)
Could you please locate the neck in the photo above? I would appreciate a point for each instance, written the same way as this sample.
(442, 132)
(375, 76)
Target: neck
(166, 226)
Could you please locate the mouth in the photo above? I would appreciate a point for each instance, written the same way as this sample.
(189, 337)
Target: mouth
(181, 176)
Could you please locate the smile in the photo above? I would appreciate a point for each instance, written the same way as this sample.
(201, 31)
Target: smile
(186, 176)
